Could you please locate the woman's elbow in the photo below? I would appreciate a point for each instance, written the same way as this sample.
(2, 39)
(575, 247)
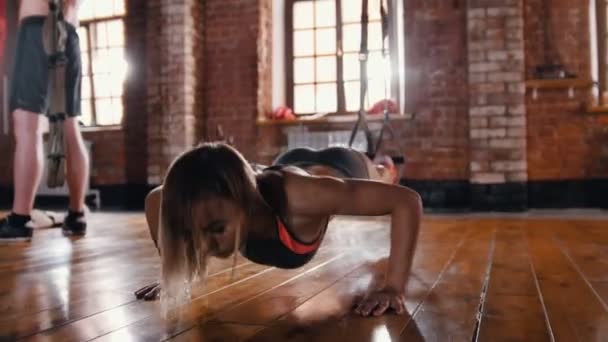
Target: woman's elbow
(413, 202)
(419, 205)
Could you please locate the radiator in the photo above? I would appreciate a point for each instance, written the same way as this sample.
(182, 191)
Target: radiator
(300, 136)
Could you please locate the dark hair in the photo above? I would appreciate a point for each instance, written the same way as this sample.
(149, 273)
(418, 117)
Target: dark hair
(210, 170)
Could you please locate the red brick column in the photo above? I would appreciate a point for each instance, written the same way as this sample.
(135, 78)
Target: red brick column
(497, 111)
(238, 69)
(172, 36)
(135, 121)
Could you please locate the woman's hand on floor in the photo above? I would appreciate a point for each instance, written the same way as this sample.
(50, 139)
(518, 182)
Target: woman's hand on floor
(149, 292)
(379, 301)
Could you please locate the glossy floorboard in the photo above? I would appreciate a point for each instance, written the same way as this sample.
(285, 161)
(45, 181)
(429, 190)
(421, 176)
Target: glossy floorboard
(474, 279)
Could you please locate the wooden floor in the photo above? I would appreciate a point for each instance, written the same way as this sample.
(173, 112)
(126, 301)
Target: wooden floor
(474, 279)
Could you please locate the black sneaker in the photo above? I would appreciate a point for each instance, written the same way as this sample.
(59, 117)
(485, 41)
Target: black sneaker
(74, 224)
(12, 232)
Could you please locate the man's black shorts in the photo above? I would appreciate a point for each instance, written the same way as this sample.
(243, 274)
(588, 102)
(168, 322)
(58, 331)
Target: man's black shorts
(29, 85)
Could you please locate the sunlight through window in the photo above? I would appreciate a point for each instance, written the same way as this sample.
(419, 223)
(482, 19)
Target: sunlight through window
(104, 65)
(325, 45)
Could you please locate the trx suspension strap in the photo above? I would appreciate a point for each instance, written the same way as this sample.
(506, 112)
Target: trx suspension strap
(54, 40)
(363, 54)
(386, 125)
(373, 147)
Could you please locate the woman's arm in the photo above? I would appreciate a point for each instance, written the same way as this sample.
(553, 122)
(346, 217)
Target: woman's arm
(318, 196)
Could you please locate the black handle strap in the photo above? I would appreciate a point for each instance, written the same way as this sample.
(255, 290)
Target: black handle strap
(363, 56)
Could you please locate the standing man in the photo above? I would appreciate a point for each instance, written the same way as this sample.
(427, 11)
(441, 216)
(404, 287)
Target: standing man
(29, 102)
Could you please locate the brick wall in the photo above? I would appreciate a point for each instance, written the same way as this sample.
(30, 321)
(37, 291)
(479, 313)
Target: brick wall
(497, 102)
(466, 62)
(6, 169)
(564, 142)
(171, 83)
(563, 40)
(497, 112)
(6, 141)
(109, 157)
(436, 143)
(237, 69)
(135, 116)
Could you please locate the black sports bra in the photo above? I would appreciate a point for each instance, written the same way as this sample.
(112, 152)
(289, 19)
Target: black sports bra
(283, 249)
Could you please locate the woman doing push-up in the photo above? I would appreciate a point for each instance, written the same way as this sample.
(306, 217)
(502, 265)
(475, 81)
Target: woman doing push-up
(213, 203)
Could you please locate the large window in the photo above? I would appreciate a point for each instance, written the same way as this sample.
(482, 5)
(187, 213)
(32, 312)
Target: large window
(323, 44)
(104, 67)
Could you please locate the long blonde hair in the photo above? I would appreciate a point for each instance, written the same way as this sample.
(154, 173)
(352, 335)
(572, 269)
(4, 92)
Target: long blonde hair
(207, 171)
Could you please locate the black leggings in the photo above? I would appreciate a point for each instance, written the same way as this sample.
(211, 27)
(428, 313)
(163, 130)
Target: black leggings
(348, 162)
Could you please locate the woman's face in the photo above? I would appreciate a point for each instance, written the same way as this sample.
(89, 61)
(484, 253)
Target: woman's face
(220, 219)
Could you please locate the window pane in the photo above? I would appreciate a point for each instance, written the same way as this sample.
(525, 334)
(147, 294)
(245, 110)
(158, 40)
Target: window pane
(116, 33)
(373, 8)
(350, 66)
(100, 62)
(105, 111)
(326, 13)
(326, 41)
(322, 96)
(374, 36)
(116, 58)
(102, 35)
(351, 10)
(376, 66)
(108, 65)
(304, 99)
(85, 109)
(86, 87)
(103, 8)
(119, 7)
(326, 98)
(102, 84)
(303, 70)
(303, 14)
(85, 10)
(326, 69)
(351, 93)
(83, 38)
(117, 111)
(84, 57)
(376, 91)
(116, 84)
(303, 43)
(351, 37)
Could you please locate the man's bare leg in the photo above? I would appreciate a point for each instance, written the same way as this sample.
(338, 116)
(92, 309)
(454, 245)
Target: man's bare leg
(77, 164)
(77, 169)
(29, 159)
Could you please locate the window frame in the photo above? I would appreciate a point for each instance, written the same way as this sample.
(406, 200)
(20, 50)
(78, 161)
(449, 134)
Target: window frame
(393, 56)
(86, 25)
(601, 36)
